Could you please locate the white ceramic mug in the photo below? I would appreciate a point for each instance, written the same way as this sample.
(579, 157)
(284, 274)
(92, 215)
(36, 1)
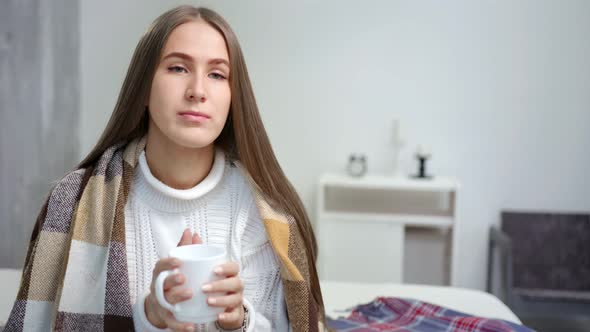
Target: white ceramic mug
(198, 262)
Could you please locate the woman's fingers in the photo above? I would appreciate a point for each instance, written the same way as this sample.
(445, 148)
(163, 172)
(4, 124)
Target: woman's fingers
(169, 263)
(189, 238)
(231, 316)
(178, 294)
(186, 238)
(230, 300)
(174, 280)
(229, 269)
(175, 325)
(229, 285)
(197, 239)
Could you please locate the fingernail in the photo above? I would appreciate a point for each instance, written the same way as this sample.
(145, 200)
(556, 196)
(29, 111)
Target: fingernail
(218, 269)
(211, 300)
(187, 293)
(221, 316)
(177, 278)
(206, 287)
(189, 329)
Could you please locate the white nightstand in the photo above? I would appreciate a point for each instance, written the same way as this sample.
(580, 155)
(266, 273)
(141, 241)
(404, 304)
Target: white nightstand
(362, 223)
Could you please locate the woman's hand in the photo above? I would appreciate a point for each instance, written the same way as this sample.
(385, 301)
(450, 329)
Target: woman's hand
(174, 291)
(233, 288)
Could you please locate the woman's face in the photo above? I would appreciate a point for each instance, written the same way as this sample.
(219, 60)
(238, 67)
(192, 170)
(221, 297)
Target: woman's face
(190, 94)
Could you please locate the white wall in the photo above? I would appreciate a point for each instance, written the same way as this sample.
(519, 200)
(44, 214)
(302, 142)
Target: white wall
(499, 89)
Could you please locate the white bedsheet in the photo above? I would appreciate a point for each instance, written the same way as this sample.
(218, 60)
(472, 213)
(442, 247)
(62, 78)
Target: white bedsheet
(342, 295)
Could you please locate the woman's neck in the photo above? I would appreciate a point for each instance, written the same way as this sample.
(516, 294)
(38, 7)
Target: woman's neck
(176, 166)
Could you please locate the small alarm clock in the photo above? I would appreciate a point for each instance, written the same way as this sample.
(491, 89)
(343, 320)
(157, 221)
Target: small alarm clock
(357, 165)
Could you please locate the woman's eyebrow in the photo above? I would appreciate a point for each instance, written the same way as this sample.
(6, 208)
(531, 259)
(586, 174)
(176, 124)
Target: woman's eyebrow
(190, 58)
(178, 55)
(219, 61)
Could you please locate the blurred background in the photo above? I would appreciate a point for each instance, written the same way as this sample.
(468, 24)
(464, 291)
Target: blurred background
(498, 91)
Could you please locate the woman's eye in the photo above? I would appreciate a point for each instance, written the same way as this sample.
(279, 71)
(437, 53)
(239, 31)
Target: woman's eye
(177, 69)
(217, 76)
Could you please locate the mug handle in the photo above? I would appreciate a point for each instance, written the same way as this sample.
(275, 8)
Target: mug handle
(159, 286)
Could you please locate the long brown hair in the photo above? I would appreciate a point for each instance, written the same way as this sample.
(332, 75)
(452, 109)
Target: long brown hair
(243, 136)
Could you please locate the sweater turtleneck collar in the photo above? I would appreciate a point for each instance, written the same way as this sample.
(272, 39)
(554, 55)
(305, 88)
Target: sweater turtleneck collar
(165, 198)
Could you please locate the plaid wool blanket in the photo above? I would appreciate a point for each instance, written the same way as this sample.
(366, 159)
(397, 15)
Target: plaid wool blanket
(75, 275)
(396, 314)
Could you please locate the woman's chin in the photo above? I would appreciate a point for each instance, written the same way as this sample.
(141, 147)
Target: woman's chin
(193, 142)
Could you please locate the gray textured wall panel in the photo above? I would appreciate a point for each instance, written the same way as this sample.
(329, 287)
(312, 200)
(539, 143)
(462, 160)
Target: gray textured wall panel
(39, 107)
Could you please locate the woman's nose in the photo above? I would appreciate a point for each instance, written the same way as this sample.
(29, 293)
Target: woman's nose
(196, 91)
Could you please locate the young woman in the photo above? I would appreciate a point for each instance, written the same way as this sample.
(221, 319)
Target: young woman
(184, 159)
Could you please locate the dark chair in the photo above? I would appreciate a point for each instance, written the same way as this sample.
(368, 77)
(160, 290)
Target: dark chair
(541, 262)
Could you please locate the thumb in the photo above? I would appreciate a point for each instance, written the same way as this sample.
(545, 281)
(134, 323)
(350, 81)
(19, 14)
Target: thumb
(185, 238)
(197, 239)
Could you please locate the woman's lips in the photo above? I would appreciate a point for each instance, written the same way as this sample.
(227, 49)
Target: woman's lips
(194, 116)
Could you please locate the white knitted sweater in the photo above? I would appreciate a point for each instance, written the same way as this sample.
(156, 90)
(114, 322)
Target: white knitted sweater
(222, 211)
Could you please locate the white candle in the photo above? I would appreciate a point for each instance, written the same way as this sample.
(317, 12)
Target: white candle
(423, 151)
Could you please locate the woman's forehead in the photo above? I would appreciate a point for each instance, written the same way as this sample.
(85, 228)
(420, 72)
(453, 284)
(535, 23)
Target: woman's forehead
(198, 40)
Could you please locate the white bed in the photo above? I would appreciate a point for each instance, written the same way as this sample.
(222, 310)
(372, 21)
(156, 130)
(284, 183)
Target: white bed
(342, 295)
